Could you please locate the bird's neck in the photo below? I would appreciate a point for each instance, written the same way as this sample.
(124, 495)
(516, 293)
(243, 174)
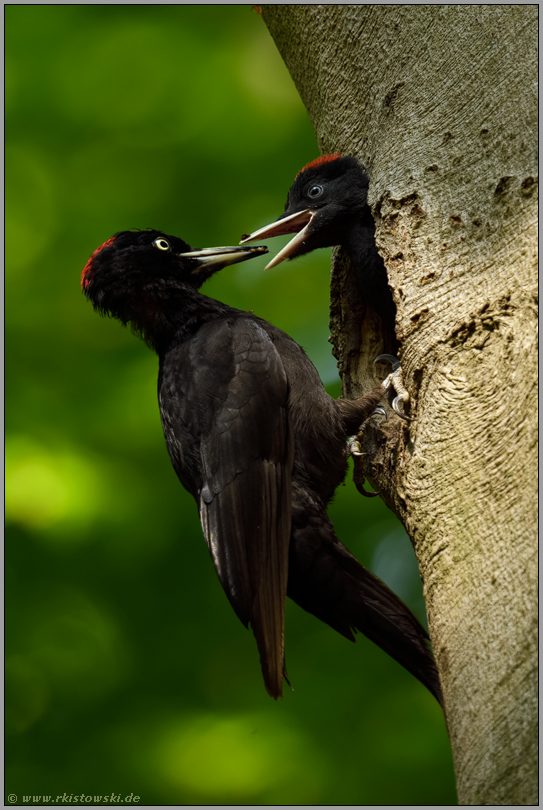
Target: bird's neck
(163, 320)
(359, 243)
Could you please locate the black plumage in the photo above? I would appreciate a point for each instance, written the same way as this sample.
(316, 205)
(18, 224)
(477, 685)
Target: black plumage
(257, 441)
(328, 205)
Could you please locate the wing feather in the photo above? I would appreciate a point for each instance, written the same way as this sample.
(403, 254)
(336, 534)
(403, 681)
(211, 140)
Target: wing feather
(239, 466)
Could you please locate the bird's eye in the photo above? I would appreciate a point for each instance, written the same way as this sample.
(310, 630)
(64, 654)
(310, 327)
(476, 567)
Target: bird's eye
(161, 244)
(315, 191)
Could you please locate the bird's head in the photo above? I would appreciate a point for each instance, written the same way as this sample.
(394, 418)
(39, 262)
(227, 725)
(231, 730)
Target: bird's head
(326, 198)
(136, 272)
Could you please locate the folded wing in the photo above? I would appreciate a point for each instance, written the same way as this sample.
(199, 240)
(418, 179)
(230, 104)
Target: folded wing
(232, 392)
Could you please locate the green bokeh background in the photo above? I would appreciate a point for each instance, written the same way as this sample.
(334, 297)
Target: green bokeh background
(127, 670)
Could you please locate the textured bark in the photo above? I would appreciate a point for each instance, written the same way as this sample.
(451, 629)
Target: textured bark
(439, 102)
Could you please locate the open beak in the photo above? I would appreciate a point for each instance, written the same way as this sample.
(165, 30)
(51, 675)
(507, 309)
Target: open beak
(297, 223)
(206, 257)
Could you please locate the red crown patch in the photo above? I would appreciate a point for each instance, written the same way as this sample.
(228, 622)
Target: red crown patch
(319, 161)
(86, 274)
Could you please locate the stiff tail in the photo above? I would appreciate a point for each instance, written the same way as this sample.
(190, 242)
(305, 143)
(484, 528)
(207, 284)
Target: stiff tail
(326, 580)
(389, 623)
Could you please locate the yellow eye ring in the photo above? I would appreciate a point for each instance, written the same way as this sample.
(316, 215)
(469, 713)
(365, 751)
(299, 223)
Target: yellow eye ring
(161, 244)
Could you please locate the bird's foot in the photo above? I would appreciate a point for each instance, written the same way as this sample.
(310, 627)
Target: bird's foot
(354, 448)
(353, 444)
(394, 382)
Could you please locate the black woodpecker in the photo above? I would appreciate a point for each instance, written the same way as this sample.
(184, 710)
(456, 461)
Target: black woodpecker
(257, 441)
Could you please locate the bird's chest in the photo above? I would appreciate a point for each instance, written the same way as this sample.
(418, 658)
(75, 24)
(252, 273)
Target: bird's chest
(320, 440)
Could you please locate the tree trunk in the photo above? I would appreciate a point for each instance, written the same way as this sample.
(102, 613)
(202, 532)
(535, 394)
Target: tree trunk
(439, 103)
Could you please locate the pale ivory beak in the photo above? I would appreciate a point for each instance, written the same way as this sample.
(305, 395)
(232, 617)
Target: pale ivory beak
(223, 255)
(297, 223)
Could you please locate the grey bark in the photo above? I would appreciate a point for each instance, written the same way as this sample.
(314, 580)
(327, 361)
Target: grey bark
(439, 102)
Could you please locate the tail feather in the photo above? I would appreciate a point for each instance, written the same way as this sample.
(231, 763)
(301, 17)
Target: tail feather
(327, 581)
(389, 623)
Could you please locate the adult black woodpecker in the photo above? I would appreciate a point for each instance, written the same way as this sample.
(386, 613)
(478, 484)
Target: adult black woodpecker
(257, 441)
(328, 205)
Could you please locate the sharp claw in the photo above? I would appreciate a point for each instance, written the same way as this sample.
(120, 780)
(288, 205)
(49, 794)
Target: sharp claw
(395, 381)
(395, 363)
(365, 492)
(353, 444)
(353, 447)
(395, 407)
(402, 393)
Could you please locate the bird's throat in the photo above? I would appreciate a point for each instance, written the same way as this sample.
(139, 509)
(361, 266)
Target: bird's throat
(173, 317)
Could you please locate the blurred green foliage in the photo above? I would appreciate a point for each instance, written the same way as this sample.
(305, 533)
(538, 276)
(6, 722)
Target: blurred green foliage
(127, 670)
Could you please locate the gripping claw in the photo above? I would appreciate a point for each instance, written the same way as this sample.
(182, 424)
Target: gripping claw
(354, 448)
(395, 382)
(365, 492)
(394, 362)
(379, 411)
(353, 444)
